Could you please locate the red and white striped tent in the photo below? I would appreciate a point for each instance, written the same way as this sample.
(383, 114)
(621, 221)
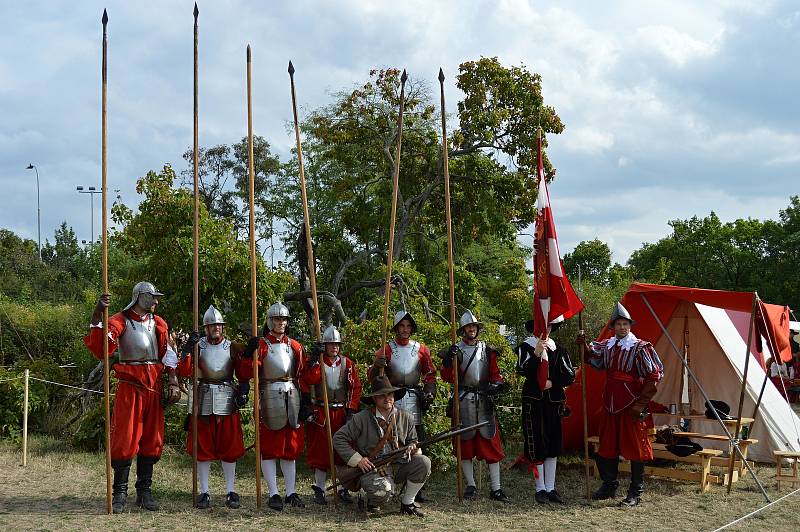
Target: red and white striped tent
(712, 327)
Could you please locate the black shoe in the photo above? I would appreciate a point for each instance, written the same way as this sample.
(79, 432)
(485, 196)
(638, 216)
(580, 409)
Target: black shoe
(606, 491)
(144, 499)
(421, 498)
(553, 496)
(276, 502)
(319, 495)
(541, 497)
(630, 500)
(295, 500)
(470, 493)
(203, 502)
(498, 495)
(232, 500)
(410, 509)
(118, 502)
(345, 497)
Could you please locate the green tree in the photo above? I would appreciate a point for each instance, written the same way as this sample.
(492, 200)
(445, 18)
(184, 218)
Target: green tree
(592, 258)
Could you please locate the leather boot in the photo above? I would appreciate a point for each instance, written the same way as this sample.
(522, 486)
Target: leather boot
(608, 469)
(144, 479)
(636, 487)
(119, 494)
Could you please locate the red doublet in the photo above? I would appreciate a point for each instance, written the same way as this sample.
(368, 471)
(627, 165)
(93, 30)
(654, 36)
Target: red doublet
(427, 369)
(479, 447)
(317, 436)
(137, 421)
(287, 442)
(218, 437)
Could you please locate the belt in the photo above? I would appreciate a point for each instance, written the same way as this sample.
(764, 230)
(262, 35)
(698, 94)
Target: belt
(270, 381)
(330, 405)
(138, 362)
(620, 376)
(211, 381)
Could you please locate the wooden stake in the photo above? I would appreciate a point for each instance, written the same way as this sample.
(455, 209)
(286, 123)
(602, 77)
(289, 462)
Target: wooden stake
(195, 276)
(312, 275)
(253, 295)
(395, 190)
(451, 278)
(104, 262)
(25, 419)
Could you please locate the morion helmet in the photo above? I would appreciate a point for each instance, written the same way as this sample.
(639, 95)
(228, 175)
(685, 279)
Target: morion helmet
(213, 317)
(468, 318)
(146, 291)
(620, 312)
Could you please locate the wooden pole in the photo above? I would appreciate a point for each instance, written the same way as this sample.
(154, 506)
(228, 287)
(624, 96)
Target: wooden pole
(451, 279)
(395, 189)
(584, 367)
(195, 275)
(253, 296)
(751, 326)
(25, 419)
(104, 262)
(312, 275)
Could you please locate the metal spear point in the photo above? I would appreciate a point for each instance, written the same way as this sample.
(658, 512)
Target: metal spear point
(104, 20)
(196, 12)
(291, 68)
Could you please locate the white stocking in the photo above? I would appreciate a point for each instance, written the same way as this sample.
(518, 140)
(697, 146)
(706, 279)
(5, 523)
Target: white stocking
(289, 473)
(229, 470)
(269, 470)
(203, 468)
(469, 472)
(412, 488)
(550, 473)
(539, 477)
(494, 476)
(320, 476)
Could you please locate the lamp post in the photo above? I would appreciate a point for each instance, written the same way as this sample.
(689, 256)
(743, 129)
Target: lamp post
(31, 166)
(92, 191)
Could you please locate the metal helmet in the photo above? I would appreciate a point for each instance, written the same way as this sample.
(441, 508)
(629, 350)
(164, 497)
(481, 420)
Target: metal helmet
(404, 315)
(213, 317)
(468, 318)
(277, 309)
(146, 291)
(620, 312)
(331, 335)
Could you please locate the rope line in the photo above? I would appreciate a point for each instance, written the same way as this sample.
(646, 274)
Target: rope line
(68, 386)
(12, 379)
(754, 512)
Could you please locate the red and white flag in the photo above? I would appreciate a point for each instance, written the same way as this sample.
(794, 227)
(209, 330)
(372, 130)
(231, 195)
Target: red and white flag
(553, 296)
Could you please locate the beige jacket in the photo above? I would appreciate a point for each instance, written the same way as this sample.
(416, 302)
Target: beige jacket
(357, 438)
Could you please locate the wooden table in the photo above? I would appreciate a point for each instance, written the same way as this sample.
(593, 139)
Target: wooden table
(730, 423)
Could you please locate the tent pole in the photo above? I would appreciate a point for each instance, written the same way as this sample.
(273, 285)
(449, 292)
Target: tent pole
(750, 328)
(734, 442)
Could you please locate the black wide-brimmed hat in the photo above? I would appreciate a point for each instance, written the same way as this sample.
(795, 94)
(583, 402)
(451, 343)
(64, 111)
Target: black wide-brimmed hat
(684, 449)
(723, 410)
(554, 325)
(382, 385)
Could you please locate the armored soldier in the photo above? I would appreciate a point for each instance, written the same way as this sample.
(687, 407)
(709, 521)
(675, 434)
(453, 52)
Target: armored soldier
(407, 363)
(479, 380)
(219, 427)
(138, 338)
(281, 361)
(633, 369)
(344, 396)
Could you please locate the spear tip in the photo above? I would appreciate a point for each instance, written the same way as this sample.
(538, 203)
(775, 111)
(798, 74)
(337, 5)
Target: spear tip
(196, 11)
(291, 68)
(104, 20)
(404, 77)
(248, 53)
(441, 75)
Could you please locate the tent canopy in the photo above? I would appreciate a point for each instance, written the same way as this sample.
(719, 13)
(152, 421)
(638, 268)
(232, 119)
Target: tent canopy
(711, 328)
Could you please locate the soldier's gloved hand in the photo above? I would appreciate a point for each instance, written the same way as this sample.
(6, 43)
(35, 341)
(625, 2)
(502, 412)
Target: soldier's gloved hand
(447, 357)
(174, 392)
(316, 353)
(188, 345)
(428, 399)
(380, 362)
(102, 303)
(349, 413)
(493, 388)
(306, 412)
(244, 391)
(252, 345)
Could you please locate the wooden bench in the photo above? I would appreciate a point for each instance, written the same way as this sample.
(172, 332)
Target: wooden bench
(702, 458)
(793, 457)
(738, 465)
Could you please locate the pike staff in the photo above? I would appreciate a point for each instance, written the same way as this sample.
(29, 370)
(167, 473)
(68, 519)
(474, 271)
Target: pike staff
(195, 274)
(451, 278)
(253, 300)
(312, 276)
(395, 189)
(583, 397)
(104, 262)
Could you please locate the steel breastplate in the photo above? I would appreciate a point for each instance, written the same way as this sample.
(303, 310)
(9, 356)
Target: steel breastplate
(138, 342)
(334, 379)
(278, 363)
(476, 361)
(215, 360)
(404, 365)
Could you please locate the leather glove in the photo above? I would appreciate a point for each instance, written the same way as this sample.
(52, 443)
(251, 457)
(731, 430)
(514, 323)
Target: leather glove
(174, 393)
(244, 391)
(380, 362)
(306, 412)
(494, 388)
(188, 345)
(252, 345)
(102, 303)
(349, 413)
(316, 352)
(447, 357)
(648, 391)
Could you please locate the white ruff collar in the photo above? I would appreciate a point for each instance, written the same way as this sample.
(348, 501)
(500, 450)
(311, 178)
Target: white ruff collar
(625, 343)
(534, 341)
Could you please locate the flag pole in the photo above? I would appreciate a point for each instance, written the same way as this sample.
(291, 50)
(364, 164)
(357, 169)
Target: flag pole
(104, 263)
(195, 274)
(395, 188)
(253, 300)
(312, 275)
(584, 367)
(451, 279)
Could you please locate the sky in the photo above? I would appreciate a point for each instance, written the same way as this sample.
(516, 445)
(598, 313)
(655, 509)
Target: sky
(672, 109)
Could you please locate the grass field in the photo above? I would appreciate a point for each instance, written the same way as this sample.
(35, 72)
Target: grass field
(62, 489)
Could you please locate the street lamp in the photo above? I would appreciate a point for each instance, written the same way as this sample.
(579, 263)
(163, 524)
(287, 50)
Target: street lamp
(31, 166)
(91, 191)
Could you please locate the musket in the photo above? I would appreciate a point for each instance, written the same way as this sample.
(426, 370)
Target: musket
(253, 300)
(104, 264)
(351, 474)
(195, 274)
(395, 188)
(312, 276)
(451, 279)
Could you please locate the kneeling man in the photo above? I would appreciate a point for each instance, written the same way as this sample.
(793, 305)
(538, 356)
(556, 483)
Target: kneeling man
(379, 430)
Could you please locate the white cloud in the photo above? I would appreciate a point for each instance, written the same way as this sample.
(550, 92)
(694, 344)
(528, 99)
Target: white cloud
(678, 47)
(588, 140)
